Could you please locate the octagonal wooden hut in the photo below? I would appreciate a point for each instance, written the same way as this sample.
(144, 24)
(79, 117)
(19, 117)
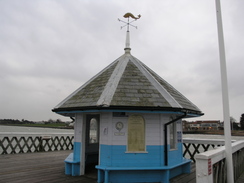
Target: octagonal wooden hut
(128, 122)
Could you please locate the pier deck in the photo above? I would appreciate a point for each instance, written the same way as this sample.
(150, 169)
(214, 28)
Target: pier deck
(37, 167)
(49, 167)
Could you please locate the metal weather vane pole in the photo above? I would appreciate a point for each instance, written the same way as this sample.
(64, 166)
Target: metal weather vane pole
(128, 24)
(225, 96)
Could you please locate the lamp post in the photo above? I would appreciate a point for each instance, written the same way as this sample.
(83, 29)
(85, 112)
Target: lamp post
(225, 95)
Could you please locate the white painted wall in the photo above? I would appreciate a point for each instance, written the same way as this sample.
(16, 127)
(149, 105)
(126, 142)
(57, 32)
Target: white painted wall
(154, 126)
(78, 127)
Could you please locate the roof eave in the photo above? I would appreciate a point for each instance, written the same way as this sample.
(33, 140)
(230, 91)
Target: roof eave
(190, 112)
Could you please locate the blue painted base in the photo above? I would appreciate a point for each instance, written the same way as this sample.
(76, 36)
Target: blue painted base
(117, 165)
(72, 162)
(117, 156)
(141, 174)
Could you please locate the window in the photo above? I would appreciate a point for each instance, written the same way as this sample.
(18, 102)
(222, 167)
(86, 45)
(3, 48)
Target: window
(172, 133)
(136, 133)
(93, 134)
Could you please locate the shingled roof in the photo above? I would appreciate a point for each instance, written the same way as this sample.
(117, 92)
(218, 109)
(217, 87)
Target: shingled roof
(126, 84)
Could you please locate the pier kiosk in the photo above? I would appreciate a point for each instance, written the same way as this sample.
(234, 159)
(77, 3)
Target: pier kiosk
(129, 121)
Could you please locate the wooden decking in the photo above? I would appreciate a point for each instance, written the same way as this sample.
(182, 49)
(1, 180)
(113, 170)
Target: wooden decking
(37, 167)
(49, 167)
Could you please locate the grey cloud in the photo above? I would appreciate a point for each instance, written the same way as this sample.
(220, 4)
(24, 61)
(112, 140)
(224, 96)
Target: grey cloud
(50, 48)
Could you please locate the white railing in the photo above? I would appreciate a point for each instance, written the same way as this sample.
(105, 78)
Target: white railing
(35, 142)
(192, 147)
(211, 167)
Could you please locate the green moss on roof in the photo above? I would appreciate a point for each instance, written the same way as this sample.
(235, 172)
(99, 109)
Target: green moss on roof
(134, 89)
(89, 95)
(130, 83)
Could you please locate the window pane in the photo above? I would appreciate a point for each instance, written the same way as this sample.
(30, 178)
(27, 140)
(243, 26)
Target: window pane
(93, 131)
(172, 128)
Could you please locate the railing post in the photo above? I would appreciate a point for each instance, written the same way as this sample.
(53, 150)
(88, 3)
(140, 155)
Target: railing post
(204, 170)
(42, 139)
(40, 144)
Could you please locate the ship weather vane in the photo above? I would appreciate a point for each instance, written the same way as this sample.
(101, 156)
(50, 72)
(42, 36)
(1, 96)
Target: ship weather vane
(128, 23)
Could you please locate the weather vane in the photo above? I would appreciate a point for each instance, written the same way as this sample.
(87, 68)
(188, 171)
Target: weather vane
(128, 23)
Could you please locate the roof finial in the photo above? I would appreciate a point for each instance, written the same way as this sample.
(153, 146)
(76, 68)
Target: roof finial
(128, 24)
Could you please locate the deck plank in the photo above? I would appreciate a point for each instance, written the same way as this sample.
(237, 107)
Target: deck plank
(241, 178)
(187, 177)
(37, 167)
(49, 167)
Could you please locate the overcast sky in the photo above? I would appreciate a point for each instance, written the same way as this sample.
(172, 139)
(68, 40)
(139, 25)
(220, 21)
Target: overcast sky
(49, 48)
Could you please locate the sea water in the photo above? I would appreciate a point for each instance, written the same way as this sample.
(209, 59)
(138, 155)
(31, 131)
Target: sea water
(29, 131)
(18, 130)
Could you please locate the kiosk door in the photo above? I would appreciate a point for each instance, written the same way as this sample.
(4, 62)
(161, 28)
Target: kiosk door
(92, 138)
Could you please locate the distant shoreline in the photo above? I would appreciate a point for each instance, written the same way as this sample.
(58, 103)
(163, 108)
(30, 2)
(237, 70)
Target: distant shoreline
(56, 126)
(215, 132)
(40, 126)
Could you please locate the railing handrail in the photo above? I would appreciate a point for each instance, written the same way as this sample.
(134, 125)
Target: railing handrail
(211, 167)
(219, 153)
(34, 133)
(205, 141)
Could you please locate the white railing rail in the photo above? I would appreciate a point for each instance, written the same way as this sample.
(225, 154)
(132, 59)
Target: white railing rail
(205, 141)
(192, 147)
(207, 163)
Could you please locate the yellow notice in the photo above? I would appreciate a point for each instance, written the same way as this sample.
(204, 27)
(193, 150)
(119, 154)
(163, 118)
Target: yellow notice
(136, 133)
